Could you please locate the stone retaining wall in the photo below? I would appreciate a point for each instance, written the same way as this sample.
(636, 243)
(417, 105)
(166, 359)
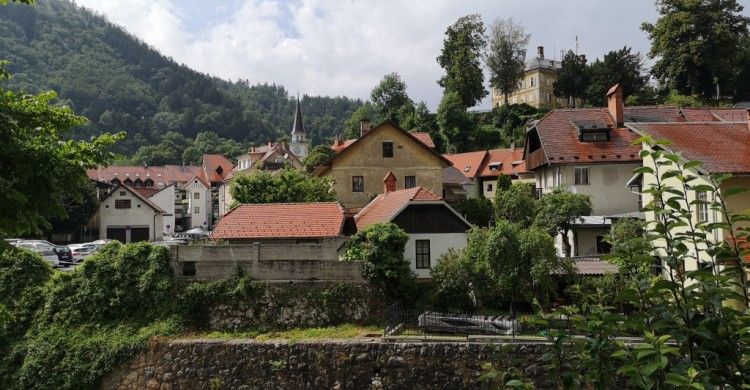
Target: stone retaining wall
(244, 364)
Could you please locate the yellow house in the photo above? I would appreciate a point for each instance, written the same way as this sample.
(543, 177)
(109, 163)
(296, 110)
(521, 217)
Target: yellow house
(536, 86)
(724, 148)
(359, 167)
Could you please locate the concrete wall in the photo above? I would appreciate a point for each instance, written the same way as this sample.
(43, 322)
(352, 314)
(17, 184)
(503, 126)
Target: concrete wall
(606, 186)
(165, 200)
(273, 262)
(354, 364)
(366, 159)
(586, 240)
(140, 214)
(439, 244)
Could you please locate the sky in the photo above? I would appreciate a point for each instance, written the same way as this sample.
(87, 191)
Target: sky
(344, 47)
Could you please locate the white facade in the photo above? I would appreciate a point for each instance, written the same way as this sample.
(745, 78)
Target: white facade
(198, 199)
(439, 243)
(165, 200)
(125, 216)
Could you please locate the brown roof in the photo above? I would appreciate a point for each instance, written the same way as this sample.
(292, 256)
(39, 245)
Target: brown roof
(510, 163)
(282, 220)
(594, 266)
(166, 174)
(468, 163)
(146, 191)
(713, 114)
(386, 206)
(723, 147)
(652, 114)
(451, 175)
(212, 163)
(561, 143)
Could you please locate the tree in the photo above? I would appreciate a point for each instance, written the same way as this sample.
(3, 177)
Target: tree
(696, 45)
(618, 67)
(169, 151)
(478, 211)
(424, 120)
(380, 247)
(365, 113)
(389, 96)
(454, 122)
(286, 186)
(515, 204)
(318, 155)
(81, 204)
(504, 182)
(506, 57)
(208, 142)
(559, 210)
(572, 77)
(452, 281)
(39, 167)
(462, 49)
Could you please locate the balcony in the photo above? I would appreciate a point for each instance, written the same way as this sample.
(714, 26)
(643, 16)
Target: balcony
(535, 159)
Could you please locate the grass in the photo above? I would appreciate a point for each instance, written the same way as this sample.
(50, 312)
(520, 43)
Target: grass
(346, 331)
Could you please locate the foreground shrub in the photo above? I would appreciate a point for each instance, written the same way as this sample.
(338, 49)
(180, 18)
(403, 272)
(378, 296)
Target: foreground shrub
(452, 282)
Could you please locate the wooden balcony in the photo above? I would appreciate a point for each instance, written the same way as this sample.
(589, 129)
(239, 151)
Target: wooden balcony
(535, 159)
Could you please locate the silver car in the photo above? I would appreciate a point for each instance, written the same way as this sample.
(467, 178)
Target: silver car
(44, 250)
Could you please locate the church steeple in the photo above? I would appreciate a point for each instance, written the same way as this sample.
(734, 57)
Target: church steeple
(298, 129)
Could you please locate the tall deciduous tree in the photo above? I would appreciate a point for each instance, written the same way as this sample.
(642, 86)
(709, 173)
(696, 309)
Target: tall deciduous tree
(318, 155)
(454, 121)
(617, 67)
(39, 167)
(696, 44)
(506, 55)
(287, 186)
(572, 78)
(389, 96)
(364, 113)
(515, 204)
(461, 58)
(559, 210)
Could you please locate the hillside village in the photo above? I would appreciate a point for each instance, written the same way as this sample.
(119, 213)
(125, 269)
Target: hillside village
(590, 230)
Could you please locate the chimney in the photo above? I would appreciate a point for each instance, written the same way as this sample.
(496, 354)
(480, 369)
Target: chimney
(389, 183)
(364, 127)
(540, 51)
(615, 105)
(270, 143)
(512, 146)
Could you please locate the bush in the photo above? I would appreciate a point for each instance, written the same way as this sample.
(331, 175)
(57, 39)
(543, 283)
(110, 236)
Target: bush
(380, 247)
(478, 211)
(516, 204)
(452, 282)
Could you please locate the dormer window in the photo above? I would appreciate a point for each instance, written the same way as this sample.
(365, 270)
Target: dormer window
(595, 136)
(592, 130)
(495, 166)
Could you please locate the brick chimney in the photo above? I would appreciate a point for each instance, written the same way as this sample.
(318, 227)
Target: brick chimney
(364, 127)
(389, 183)
(615, 104)
(540, 51)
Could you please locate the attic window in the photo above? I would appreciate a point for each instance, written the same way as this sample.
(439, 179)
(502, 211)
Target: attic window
(466, 169)
(595, 136)
(219, 170)
(494, 166)
(594, 130)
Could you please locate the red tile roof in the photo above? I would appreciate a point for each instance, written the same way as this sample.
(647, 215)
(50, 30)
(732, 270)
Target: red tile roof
(561, 143)
(212, 163)
(341, 144)
(594, 266)
(166, 174)
(451, 175)
(132, 190)
(506, 158)
(147, 191)
(425, 138)
(652, 114)
(723, 147)
(699, 115)
(468, 163)
(282, 220)
(731, 114)
(386, 206)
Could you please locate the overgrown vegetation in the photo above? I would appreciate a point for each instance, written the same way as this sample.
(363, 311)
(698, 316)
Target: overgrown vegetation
(286, 186)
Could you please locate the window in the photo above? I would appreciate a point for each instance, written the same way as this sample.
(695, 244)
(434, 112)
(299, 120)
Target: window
(602, 246)
(532, 81)
(387, 149)
(358, 184)
(489, 187)
(702, 207)
(197, 210)
(122, 203)
(410, 182)
(188, 268)
(196, 195)
(423, 253)
(594, 137)
(122, 193)
(582, 176)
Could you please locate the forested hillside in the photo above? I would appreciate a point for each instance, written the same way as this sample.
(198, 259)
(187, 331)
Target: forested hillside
(120, 83)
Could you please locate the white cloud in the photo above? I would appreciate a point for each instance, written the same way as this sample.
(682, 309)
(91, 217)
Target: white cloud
(343, 47)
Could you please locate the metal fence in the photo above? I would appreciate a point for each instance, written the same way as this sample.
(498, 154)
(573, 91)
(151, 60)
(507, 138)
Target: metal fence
(410, 322)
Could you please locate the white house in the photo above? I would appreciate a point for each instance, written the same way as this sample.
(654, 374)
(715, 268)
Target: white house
(433, 226)
(127, 216)
(197, 203)
(165, 199)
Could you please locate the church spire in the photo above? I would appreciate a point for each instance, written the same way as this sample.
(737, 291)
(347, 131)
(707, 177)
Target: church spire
(297, 126)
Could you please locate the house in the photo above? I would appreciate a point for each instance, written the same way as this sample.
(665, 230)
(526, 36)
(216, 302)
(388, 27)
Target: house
(724, 148)
(482, 168)
(433, 226)
(456, 187)
(358, 168)
(536, 85)
(164, 199)
(127, 216)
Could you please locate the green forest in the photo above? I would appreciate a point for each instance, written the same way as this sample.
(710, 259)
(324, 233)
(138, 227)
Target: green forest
(121, 84)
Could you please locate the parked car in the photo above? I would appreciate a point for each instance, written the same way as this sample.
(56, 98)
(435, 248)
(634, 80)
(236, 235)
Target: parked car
(12, 241)
(82, 251)
(63, 252)
(197, 233)
(467, 324)
(46, 251)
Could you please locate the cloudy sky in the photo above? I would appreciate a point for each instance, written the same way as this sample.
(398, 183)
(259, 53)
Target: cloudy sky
(344, 47)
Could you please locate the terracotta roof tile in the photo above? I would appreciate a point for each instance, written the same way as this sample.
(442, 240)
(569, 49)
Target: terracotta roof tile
(386, 206)
(425, 138)
(451, 175)
(212, 163)
(137, 195)
(653, 114)
(561, 143)
(506, 158)
(468, 163)
(594, 266)
(723, 147)
(166, 174)
(282, 220)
